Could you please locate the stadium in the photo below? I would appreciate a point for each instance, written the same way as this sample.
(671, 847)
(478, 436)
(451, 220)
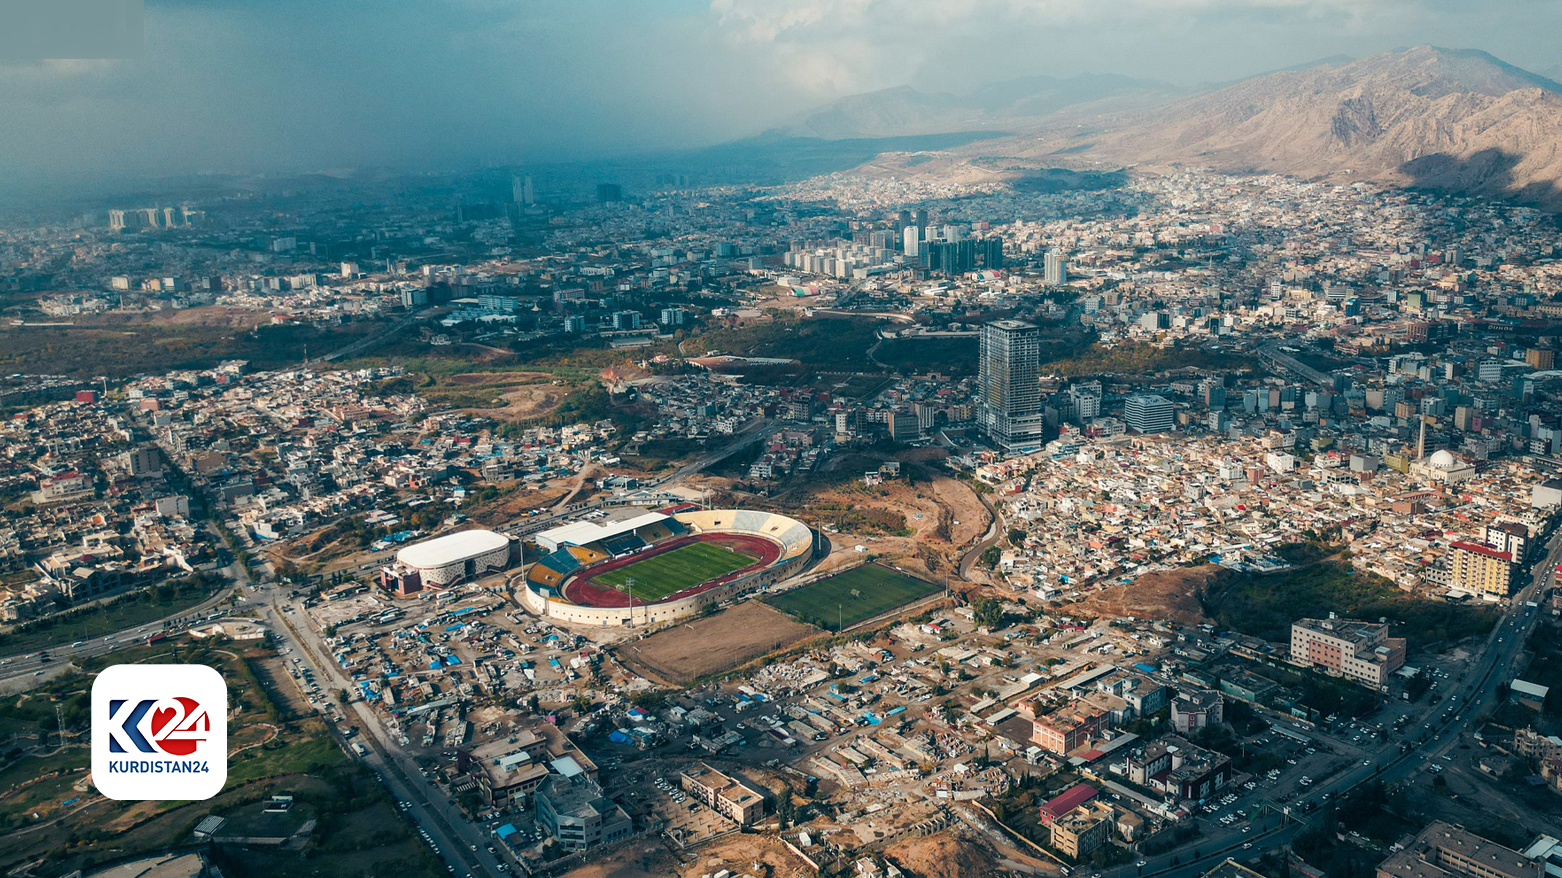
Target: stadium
(446, 560)
(648, 568)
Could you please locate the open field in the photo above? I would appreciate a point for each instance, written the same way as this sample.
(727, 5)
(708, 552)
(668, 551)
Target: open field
(117, 345)
(716, 643)
(831, 603)
(672, 572)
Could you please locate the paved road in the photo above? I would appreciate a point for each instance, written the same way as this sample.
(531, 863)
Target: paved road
(988, 540)
(21, 669)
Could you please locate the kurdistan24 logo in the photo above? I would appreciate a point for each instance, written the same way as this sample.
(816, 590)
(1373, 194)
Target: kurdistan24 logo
(159, 732)
(175, 726)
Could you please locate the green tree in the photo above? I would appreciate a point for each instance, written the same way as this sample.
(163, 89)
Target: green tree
(786, 809)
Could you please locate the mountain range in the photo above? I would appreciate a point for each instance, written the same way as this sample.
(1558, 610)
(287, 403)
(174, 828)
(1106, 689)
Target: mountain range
(1455, 120)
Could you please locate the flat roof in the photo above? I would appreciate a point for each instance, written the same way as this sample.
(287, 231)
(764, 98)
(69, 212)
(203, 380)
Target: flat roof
(579, 533)
(452, 548)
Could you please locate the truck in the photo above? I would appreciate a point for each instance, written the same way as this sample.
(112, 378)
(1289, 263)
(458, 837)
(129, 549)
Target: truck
(360, 749)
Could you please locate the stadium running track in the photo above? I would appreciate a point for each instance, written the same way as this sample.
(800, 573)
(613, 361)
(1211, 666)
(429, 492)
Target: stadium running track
(581, 590)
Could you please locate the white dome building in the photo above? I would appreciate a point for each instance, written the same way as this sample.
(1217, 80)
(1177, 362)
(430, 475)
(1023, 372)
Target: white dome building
(1442, 467)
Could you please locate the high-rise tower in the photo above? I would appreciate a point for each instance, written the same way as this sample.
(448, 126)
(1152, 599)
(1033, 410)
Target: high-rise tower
(1010, 403)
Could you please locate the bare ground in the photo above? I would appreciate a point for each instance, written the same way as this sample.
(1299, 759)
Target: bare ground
(1164, 594)
(716, 643)
(944, 855)
(952, 516)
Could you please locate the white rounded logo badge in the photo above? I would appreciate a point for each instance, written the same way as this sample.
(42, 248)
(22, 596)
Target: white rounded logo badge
(159, 732)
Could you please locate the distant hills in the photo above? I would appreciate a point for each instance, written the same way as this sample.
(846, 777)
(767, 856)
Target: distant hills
(1447, 119)
(1011, 105)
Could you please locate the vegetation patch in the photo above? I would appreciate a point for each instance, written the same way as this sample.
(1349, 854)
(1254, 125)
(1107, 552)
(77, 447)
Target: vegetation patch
(1264, 605)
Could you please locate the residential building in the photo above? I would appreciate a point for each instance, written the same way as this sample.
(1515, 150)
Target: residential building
(1010, 395)
(725, 794)
(1358, 651)
(1508, 536)
(1054, 271)
(1479, 569)
(1081, 831)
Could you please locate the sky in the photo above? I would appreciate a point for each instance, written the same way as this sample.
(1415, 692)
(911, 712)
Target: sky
(306, 85)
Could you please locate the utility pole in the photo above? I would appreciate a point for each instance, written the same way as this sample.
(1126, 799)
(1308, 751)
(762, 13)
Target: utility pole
(631, 583)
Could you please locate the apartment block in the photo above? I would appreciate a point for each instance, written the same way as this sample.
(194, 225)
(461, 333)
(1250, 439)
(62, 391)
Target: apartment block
(728, 796)
(1082, 830)
(1479, 569)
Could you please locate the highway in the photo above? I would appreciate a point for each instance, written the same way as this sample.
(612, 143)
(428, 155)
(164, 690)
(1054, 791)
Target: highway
(21, 669)
(1435, 736)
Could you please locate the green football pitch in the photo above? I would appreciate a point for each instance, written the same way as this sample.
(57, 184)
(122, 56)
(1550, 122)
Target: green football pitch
(671, 572)
(848, 598)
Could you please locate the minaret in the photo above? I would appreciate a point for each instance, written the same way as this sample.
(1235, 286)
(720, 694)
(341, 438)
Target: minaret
(1421, 443)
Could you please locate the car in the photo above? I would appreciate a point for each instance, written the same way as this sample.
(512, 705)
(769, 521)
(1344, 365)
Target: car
(1142, 863)
(1246, 845)
(1366, 762)
(37, 673)
(1247, 829)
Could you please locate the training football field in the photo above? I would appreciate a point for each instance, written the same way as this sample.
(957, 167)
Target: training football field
(671, 572)
(847, 598)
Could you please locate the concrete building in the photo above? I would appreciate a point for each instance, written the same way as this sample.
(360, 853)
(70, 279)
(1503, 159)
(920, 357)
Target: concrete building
(1479, 569)
(1444, 850)
(1010, 388)
(1148, 413)
(1508, 536)
(1195, 709)
(728, 796)
(144, 461)
(1358, 651)
(575, 812)
(1069, 728)
(1081, 831)
(1054, 272)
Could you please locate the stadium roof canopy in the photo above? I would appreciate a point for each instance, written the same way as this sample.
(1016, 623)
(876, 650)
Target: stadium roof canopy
(451, 548)
(580, 533)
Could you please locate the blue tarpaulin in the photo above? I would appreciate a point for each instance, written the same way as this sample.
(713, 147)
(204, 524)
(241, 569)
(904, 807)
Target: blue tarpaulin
(505, 831)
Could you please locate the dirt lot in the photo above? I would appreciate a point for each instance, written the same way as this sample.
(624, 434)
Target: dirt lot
(945, 855)
(526, 394)
(738, 853)
(513, 507)
(725, 640)
(1165, 594)
(951, 518)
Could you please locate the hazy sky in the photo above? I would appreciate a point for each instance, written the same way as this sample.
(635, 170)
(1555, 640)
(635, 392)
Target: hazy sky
(237, 85)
